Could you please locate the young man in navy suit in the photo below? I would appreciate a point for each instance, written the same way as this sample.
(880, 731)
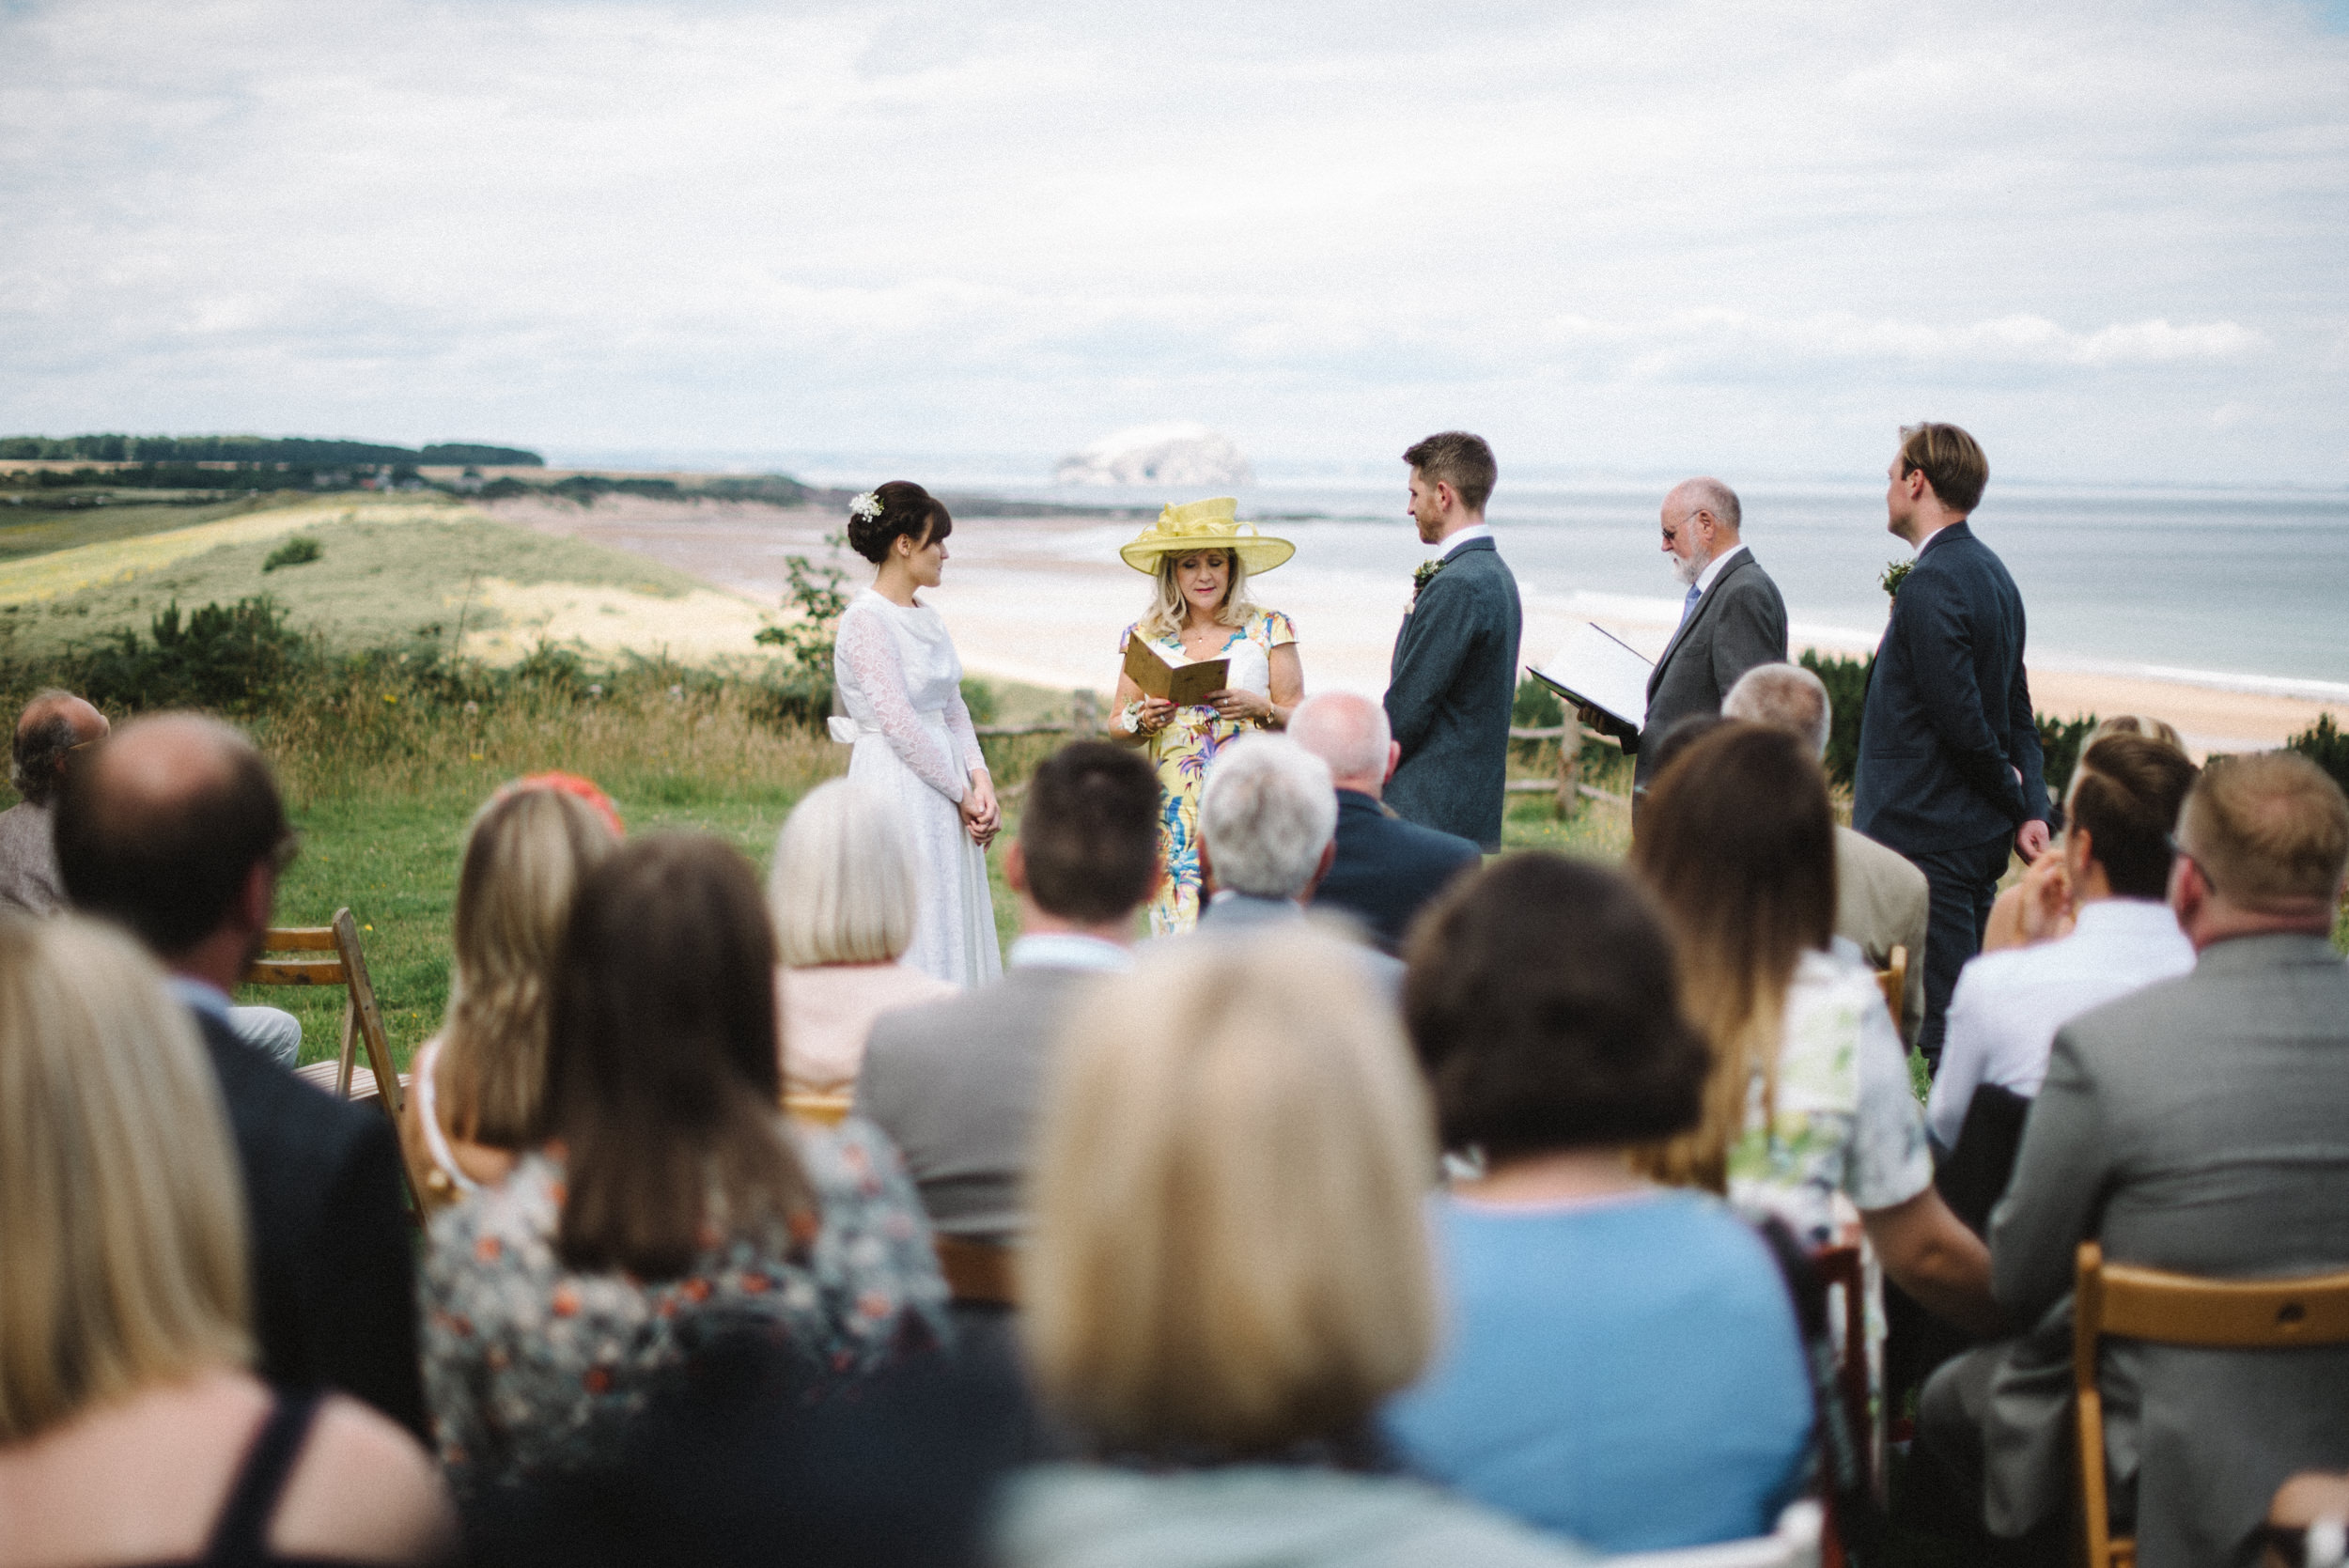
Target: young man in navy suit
(1949, 770)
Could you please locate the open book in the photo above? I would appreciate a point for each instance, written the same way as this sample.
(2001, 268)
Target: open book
(1601, 670)
(1183, 685)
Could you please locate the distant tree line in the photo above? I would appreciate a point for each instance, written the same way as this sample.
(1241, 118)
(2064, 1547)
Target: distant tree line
(285, 453)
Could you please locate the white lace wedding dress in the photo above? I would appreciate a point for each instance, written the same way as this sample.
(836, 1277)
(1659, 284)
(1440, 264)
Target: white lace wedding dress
(901, 682)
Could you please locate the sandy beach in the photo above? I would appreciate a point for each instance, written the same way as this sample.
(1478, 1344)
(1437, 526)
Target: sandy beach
(1042, 600)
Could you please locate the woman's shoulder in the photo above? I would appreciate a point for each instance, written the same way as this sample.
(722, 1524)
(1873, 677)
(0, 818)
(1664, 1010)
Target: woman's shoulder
(1272, 627)
(852, 1160)
(363, 1490)
(509, 1225)
(1077, 1516)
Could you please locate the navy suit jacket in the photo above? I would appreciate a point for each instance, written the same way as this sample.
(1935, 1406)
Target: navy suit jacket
(1387, 869)
(1449, 692)
(334, 1258)
(1947, 721)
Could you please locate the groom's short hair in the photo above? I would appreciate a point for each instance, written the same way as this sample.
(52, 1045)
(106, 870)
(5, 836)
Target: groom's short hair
(1458, 459)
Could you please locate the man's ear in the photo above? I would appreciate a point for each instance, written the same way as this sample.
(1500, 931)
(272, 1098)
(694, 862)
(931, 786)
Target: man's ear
(1015, 868)
(1329, 858)
(1446, 497)
(1394, 760)
(1206, 868)
(258, 900)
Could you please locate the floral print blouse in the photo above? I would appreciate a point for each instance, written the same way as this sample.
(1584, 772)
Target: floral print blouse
(530, 1366)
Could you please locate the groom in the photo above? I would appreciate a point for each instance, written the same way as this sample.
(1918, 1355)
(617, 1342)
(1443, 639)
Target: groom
(1455, 659)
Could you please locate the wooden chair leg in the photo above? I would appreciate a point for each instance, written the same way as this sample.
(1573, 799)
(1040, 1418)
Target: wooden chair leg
(368, 1024)
(348, 1057)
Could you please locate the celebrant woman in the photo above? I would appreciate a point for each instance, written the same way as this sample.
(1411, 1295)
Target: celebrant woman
(1200, 558)
(899, 677)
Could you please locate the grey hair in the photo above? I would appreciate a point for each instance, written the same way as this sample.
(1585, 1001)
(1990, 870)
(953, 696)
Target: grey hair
(1785, 697)
(845, 888)
(1266, 813)
(36, 761)
(1711, 495)
(1350, 733)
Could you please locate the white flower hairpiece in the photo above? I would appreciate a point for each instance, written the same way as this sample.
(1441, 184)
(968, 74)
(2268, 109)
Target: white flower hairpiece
(865, 506)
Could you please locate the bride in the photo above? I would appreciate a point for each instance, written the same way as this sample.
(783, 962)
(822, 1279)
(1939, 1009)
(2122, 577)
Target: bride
(901, 682)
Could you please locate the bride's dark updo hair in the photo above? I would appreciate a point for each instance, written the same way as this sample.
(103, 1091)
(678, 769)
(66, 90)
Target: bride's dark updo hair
(906, 508)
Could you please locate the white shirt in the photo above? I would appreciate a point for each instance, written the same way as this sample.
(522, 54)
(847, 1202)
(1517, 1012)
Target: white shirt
(2008, 1005)
(1069, 950)
(1713, 567)
(1473, 530)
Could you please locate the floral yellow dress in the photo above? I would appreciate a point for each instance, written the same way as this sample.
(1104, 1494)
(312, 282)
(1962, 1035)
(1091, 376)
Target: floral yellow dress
(1190, 741)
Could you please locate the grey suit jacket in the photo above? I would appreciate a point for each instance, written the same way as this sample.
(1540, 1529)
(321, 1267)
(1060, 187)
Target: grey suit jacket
(956, 1085)
(1739, 623)
(2201, 1125)
(1883, 902)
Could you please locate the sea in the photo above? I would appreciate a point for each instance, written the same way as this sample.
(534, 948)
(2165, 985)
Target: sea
(2243, 588)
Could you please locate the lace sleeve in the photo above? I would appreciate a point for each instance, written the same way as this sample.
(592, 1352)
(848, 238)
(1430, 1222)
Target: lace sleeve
(867, 654)
(966, 735)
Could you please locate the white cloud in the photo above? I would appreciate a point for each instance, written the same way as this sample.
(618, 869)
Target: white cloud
(1006, 226)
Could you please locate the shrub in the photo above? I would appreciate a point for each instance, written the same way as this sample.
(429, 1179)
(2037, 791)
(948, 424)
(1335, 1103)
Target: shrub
(979, 697)
(235, 659)
(2326, 746)
(300, 550)
(2059, 743)
(1537, 705)
(1846, 683)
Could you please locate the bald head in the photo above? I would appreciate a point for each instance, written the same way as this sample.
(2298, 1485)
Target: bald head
(1711, 497)
(165, 827)
(1785, 697)
(52, 725)
(1351, 735)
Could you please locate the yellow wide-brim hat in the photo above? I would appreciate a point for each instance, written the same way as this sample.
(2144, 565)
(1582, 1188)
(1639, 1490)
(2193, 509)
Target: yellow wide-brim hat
(1205, 525)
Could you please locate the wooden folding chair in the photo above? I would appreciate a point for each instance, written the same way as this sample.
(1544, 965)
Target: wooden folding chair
(978, 1273)
(362, 1020)
(1892, 980)
(2128, 1302)
(823, 1111)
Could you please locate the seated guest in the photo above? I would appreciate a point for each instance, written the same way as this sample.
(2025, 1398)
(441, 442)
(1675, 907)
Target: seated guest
(954, 1084)
(1228, 1272)
(1881, 901)
(2038, 908)
(476, 1087)
(1386, 868)
(2199, 1126)
(2115, 852)
(1623, 1363)
(53, 727)
(130, 1429)
(2309, 1507)
(665, 1198)
(1809, 1100)
(173, 827)
(844, 892)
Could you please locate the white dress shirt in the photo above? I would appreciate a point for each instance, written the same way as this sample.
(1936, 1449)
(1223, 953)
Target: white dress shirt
(1070, 950)
(1473, 530)
(2009, 1004)
(1714, 567)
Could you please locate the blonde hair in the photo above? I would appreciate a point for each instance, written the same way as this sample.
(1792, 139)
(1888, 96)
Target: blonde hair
(1169, 610)
(121, 1211)
(525, 858)
(844, 889)
(1229, 1248)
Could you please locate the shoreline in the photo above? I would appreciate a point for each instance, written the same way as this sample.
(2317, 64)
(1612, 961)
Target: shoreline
(1026, 601)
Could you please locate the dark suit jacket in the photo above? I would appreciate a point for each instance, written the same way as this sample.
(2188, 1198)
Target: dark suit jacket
(1949, 709)
(956, 1085)
(1387, 869)
(2201, 1126)
(1739, 623)
(1449, 692)
(334, 1257)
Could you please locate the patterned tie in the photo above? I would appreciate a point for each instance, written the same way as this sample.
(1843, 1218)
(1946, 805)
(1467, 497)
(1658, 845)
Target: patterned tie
(1690, 603)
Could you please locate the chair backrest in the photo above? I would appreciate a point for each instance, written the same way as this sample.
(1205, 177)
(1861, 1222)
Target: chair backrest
(363, 1019)
(2151, 1304)
(824, 1110)
(980, 1273)
(1892, 980)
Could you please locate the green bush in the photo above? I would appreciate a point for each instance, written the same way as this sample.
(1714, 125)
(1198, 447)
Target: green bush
(1537, 705)
(2059, 743)
(2326, 746)
(300, 550)
(1846, 683)
(979, 697)
(235, 659)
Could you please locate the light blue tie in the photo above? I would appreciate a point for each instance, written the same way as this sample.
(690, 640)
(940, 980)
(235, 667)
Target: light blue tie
(1690, 603)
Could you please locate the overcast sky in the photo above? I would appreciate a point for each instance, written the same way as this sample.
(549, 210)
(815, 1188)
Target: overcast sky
(1751, 236)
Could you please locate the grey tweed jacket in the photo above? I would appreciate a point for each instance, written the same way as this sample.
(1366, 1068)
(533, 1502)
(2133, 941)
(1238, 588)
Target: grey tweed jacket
(2201, 1125)
(1448, 696)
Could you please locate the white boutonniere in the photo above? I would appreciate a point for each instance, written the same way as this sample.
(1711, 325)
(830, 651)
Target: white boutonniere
(865, 506)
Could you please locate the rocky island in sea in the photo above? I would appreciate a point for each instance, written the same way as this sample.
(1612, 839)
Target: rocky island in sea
(1172, 454)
